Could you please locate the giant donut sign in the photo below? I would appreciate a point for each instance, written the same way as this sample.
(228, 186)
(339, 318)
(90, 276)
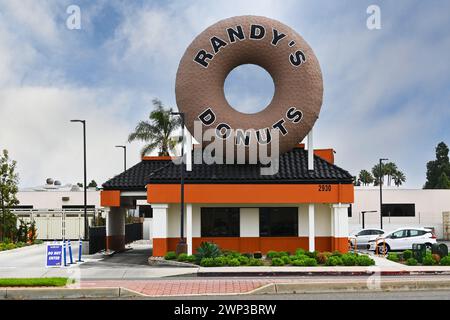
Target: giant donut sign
(251, 40)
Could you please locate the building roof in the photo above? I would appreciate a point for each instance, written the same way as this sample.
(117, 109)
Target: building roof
(293, 168)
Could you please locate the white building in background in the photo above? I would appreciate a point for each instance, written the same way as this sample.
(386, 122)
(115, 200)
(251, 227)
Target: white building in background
(402, 208)
(57, 209)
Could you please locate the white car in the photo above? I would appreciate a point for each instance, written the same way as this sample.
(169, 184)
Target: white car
(363, 237)
(403, 239)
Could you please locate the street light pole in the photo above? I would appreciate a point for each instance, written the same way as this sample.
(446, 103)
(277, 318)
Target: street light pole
(124, 157)
(86, 226)
(380, 174)
(181, 246)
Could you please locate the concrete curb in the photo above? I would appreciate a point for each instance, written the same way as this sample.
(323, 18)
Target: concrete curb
(66, 293)
(397, 285)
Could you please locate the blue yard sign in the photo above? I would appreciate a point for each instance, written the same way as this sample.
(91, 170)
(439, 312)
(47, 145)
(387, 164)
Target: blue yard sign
(54, 255)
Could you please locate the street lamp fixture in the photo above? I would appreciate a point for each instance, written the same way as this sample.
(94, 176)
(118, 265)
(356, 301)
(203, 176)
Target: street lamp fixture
(124, 157)
(380, 174)
(86, 226)
(363, 217)
(181, 245)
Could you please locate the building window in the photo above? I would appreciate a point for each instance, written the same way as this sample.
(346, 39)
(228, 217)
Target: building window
(145, 211)
(399, 210)
(220, 222)
(75, 207)
(349, 211)
(278, 222)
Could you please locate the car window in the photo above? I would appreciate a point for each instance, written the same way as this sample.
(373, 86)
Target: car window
(416, 233)
(377, 232)
(399, 234)
(364, 233)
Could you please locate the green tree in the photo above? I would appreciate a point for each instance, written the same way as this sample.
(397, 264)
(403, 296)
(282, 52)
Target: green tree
(390, 169)
(9, 180)
(157, 131)
(443, 182)
(376, 174)
(92, 184)
(399, 178)
(365, 177)
(438, 170)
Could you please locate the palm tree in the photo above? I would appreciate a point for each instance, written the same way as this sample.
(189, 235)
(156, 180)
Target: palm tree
(390, 169)
(398, 177)
(376, 174)
(157, 131)
(365, 177)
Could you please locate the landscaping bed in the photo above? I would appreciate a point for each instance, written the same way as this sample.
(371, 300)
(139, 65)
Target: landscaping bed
(10, 245)
(210, 255)
(407, 257)
(33, 282)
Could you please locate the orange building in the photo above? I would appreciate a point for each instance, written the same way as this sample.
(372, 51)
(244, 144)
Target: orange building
(235, 206)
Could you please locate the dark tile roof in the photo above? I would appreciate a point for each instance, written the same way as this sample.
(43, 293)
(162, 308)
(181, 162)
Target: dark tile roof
(293, 168)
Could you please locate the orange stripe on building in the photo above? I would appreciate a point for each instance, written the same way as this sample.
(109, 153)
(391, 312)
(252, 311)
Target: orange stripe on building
(251, 244)
(252, 193)
(110, 198)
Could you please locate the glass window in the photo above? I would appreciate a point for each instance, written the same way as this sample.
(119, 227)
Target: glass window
(399, 210)
(278, 222)
(220, 222)
(416, 233)
(364, 233)
(145, 211)
(400, 234)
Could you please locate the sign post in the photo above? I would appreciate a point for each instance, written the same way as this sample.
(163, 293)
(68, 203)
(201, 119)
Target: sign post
(53, 255)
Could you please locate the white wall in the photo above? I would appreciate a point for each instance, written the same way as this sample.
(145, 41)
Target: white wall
(53, 199)
(429, 207)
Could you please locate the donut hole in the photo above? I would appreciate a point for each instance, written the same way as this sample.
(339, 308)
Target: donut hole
(249, 88)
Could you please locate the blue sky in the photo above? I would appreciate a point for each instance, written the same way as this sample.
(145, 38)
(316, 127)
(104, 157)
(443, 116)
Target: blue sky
(386, 92)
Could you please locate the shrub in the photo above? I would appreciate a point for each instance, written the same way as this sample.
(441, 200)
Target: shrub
(10, 246)
(445, 261)
(171, 255)
(182, 257)
(277, 262)
(364, 261)
(301, 257)
(207, 262)
(411, 262)
(299, 252)
(428, 260)
(220, 261)
(348, 259)
(208, 250)
(20, 244)
(286, 259)
(336, 253)
(248, 255)
(299, 262)
(407, 254)
(436, 257)
(312, 254)
(272, 254)
(231, 254)
(310, 262)
(255, 262)
(334, 261)
(283, 254)
(243, 260)
(234, 262)
(322, 257)
(393, 257)
(191, 258)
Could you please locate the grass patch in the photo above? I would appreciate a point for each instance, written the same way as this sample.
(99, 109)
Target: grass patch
(34, 282)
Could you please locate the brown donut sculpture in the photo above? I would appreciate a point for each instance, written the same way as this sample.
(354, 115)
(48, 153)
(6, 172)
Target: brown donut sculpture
(251, 40)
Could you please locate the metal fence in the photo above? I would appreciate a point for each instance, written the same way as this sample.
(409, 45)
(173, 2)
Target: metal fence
(97, 236)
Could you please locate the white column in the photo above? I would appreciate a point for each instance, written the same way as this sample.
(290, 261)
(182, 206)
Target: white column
(160, 223)
(188, 148)
(189, 228)
(310, 150)
(311, 227)
(339, 220)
